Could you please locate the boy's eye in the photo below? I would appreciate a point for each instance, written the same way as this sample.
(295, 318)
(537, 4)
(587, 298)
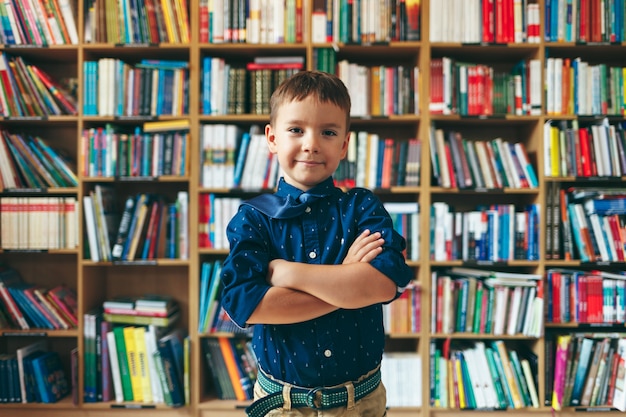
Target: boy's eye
(329, 133)
(295, 130)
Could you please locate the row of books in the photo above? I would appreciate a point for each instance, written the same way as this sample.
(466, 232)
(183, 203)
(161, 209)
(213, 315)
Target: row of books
(260, 21)
(466, 300)
(597, 150)
(485, 21)
(30, 22)
(31, 162)
(380, 90)
(147, 227)
(111, 151)
(38, 223)
(214, 213)
(588, 371)
(459, 162)
(28, 306)
(243, 89)
(497, 233)
(231, 365)
(584, 21)
(235, 158)
(141, 364)
(366, 22)
(401, 374)
(112, 87)
(33, 374)
(137, 21)
(482, 375)
(28, 91)
(472, 89)
(375, 162)
(575, 296)
(403, 315)
(594, 228)
(405, 217)
(574, 86)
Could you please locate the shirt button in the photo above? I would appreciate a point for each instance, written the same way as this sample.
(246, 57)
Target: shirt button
(312, 255)
(328, 353)
(307, 210)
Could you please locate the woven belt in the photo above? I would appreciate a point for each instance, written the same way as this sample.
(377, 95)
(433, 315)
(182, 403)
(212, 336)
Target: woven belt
(319, 398)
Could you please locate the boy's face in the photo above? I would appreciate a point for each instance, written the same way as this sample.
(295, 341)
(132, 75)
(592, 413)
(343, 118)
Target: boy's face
(310, 139)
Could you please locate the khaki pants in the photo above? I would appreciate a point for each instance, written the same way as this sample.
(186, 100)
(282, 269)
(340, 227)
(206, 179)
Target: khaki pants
(372, 405)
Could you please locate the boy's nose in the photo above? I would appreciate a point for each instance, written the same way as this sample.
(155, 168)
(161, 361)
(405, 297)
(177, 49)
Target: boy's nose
(310, 143)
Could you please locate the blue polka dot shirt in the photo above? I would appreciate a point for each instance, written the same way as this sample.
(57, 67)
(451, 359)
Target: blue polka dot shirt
(337, 347)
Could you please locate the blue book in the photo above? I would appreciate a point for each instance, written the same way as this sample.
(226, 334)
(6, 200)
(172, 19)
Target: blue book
(242, 152)
(141, 200)
(33, 315)
(584, 356)
(171, 239)
(206, 85)
(163, 64)
(205, 274)
(171, 352)
(52, 384)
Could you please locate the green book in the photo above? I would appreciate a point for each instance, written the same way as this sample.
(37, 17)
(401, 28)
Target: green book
(127, 388)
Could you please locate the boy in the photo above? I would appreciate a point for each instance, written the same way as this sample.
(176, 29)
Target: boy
(311, 265)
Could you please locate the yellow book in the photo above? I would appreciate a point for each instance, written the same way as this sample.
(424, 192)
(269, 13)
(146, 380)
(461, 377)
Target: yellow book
(143, 365)
(133, 363)
(136, 237)
(451, 398)
(168, 16)
(166, 125)
(503, 353)
(459, 382)
(555, 162)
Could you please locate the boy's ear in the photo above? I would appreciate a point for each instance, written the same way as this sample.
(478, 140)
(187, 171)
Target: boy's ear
(270, 138)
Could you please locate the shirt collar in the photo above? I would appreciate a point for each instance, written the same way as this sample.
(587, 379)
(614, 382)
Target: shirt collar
(325, 188)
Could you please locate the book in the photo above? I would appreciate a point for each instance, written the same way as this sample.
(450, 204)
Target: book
(21, 353)
(50, 377)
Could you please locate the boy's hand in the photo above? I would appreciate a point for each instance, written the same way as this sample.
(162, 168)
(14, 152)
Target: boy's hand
(364, 248)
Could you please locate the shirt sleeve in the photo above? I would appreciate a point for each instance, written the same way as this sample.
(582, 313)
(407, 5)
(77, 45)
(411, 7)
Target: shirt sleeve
(372, 215)
(245, 268)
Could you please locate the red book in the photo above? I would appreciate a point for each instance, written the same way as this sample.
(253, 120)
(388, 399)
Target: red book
(152, 21)
(585, 154)
(439, 305)
(453, 183)
(151, 231)
(582, 297)
(499, 22)
(614, 223)
(252, 66)
(487, 17)
(596, 21)
(385, 181)
(64, 299)
(204, 213)
(556, 297)
(584, 21)
(299, 21)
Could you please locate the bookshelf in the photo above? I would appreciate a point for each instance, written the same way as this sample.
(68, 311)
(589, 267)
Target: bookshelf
(94, 282)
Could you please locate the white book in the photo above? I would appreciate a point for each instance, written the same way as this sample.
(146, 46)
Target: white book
(514, 310)
(550, 85)
(183, 225)
(480, 355)
(619, 398)
(90, 223)
(475, 380)
(23, 352)
(115, 368)
(151, 347)
(372, 160)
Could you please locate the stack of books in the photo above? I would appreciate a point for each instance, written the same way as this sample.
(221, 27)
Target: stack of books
(156, 310)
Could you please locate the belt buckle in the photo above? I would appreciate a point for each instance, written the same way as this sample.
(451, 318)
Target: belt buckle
(310, 398)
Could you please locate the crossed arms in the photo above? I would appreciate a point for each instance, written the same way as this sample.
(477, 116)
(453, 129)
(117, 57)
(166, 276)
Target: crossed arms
(308, 291)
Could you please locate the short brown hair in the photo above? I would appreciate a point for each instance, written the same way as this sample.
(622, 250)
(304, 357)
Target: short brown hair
(324, 86)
